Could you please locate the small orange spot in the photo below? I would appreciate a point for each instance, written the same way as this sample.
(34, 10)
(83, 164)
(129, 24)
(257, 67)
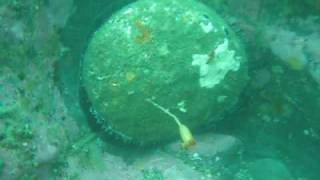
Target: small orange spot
(186, 136)
(295, 64)
(144, 33)
(130, 76)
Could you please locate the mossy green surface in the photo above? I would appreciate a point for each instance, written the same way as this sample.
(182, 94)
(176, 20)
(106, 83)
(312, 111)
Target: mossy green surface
(146, 51)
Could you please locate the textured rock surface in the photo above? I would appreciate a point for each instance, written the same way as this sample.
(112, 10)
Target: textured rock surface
(44, 135)
(211, 145)
(178, 53)
(265, 169)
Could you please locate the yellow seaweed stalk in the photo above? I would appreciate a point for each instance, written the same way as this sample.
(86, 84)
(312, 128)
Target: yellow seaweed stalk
(185, 133)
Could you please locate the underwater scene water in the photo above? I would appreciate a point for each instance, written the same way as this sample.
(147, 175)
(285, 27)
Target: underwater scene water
(159, 90)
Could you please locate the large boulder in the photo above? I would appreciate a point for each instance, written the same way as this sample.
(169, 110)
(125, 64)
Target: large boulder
(176, 53)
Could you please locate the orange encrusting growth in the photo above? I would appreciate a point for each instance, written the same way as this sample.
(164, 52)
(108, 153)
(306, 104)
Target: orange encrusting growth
(186, 136)
(144, 35)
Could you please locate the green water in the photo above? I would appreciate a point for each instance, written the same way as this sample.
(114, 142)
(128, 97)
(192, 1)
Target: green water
(259, 121)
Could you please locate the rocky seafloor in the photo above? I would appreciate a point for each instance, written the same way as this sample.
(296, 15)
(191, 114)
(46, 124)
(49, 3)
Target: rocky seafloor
(272, 133)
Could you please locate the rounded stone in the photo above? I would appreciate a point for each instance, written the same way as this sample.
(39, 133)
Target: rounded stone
(178, 53)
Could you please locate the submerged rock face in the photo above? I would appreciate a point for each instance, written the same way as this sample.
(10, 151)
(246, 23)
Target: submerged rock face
(265, 169)
(178, 53)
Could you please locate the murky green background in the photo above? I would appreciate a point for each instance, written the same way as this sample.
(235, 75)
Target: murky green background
(47, 130)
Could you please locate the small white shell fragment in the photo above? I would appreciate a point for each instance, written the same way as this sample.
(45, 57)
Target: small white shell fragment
(220, 99)
(206, 27)
(182, 106)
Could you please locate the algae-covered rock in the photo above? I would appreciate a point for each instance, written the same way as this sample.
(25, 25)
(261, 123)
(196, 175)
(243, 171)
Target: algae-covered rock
(9, 95)
(177, 53)
(265, 169)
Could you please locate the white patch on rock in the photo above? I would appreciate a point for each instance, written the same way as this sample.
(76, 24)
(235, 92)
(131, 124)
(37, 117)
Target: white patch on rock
(128, 11)
(182, 106)
(128, 31)
(298, 51)
(163, 50)
(153, 7)
(201, 60)
(221, 99)
(211, 73)
(206, 27)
